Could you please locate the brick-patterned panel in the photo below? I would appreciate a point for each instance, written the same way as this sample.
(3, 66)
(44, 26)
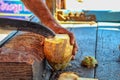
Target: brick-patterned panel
(15, 71)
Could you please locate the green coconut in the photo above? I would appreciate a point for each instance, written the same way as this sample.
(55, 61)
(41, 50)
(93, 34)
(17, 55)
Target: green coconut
(89, 62)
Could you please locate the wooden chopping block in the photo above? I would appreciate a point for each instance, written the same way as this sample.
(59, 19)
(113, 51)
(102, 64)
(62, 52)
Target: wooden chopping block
(22, 58)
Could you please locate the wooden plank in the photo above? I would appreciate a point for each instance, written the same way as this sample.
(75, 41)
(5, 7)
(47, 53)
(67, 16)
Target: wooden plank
(15, 71)
(108, 53)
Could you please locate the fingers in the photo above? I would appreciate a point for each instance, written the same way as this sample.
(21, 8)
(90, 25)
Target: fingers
(75, 46)
(75, 49)
(65, 31)
(72, 38)
(73, 42)
(73, 57)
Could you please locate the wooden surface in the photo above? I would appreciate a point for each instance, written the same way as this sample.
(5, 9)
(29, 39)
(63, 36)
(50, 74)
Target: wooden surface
(15, 71)
(99, 41)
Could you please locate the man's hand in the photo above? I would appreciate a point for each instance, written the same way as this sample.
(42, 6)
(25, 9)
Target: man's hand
(61, 30)
(40, 9)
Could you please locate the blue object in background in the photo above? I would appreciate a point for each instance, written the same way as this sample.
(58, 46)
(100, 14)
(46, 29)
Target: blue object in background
(13, 9)
(104, 15)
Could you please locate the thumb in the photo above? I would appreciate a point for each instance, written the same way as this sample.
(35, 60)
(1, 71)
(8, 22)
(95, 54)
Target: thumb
(72, 38)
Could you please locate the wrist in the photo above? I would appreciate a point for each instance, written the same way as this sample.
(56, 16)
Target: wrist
(52, 25)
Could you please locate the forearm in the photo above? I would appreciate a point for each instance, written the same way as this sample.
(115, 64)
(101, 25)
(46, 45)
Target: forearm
(39, 8)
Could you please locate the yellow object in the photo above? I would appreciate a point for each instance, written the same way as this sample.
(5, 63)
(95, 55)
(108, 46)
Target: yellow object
(58, 51)
(80, 0)
(68, 76)
(72, 76)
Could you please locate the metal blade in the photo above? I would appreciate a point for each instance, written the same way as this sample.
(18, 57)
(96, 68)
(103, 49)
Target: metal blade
(13, 24)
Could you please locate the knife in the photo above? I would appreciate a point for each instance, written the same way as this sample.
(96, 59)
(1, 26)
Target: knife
(22, 25)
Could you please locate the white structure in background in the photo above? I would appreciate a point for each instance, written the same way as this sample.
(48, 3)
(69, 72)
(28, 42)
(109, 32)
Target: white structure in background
(93, 5)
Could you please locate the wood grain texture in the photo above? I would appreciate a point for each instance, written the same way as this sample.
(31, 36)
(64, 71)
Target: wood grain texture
(15, 71)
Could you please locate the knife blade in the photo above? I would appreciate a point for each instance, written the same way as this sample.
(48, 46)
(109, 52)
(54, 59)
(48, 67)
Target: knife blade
(22, 25)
